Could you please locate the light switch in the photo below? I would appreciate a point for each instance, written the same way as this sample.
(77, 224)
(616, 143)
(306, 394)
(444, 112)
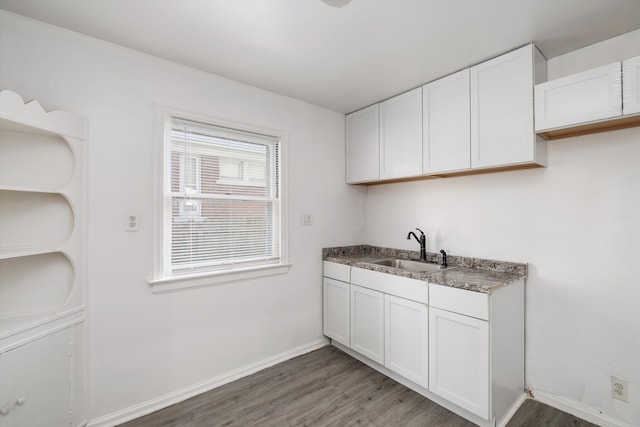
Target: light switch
(306, 219)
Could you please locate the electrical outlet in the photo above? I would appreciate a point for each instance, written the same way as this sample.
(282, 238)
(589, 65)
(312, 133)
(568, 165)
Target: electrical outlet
(132, 222)
(619, 388)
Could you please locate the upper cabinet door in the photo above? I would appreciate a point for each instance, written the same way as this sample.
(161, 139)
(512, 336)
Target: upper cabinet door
(631, 86)
(579, 98)
(401, 135)
(502, 110)
(446, 124)
(363, 147)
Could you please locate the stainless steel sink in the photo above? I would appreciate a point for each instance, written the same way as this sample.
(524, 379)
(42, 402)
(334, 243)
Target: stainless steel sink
(406, 264)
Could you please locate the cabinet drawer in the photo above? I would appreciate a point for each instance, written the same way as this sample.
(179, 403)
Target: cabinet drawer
(337, 271)
(403, 287)
(469, 303)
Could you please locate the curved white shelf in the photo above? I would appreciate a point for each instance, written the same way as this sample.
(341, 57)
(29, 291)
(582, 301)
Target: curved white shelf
(28, 189)
(34, 284)
(13, 253)
(34, 219)
(40, 161)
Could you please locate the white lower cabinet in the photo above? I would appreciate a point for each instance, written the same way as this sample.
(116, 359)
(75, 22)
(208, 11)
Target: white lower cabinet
(335, 302)
(459, 360)
(367, 323)
(35, 390)
(406, 339)
(460, 348)
(476, 349)
(335, 298)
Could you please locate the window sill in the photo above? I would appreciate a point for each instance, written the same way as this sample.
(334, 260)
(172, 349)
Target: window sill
(168, 284)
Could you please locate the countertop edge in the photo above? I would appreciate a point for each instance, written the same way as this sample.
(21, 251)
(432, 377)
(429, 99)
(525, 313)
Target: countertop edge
(473, 274)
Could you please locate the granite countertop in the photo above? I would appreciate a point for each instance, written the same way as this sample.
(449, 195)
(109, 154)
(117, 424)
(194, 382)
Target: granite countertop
(474, 274)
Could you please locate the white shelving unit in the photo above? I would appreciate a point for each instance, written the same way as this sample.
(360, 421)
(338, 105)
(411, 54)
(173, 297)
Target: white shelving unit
(42, 253)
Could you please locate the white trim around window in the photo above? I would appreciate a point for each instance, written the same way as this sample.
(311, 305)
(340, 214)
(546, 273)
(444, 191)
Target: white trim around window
(168, 278)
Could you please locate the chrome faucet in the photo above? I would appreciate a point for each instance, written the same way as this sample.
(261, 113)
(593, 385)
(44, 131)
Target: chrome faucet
(423, 243)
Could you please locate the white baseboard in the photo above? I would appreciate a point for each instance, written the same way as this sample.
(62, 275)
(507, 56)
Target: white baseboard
(512, 411)
(177, 396)
(578, 409)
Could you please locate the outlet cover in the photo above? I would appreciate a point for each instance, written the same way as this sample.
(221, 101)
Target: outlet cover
(619, 389)
(132, 222)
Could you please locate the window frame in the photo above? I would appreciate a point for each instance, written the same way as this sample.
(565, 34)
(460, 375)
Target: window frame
(164, 279)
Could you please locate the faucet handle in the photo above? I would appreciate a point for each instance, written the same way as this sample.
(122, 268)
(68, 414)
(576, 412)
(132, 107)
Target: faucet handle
(444, 257)
(421, 232)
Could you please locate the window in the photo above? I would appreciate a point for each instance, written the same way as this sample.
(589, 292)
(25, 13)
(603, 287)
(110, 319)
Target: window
(222, 199)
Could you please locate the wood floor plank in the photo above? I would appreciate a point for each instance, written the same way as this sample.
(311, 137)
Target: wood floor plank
(326, 388)
(532, 413)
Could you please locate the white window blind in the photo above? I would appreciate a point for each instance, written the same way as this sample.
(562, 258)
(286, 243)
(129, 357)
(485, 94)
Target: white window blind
(223, 198)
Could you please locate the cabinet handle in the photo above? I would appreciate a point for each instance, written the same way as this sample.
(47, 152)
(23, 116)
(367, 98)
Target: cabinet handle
(5, 411)
(21, 400)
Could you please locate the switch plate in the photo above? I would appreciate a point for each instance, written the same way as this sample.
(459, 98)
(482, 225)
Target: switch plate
(619, 388)
(306, 219)
(132, 222)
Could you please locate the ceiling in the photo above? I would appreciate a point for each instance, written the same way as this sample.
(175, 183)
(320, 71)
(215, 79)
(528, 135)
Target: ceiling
(339, 58)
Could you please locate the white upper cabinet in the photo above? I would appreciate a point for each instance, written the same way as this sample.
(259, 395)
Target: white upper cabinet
(631, 87)
(502, 131)
(446, 127)
(598, 100)
(363, 146)
(478, 118)
(579, 98)
(401, 135)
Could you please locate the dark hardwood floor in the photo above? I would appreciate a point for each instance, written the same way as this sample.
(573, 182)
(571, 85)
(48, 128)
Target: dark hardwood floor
(327, 388)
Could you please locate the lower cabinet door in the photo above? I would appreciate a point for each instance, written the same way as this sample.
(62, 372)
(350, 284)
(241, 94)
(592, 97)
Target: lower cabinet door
(7, 399)
(35, 384)
(367, 323)
(406, 339)
(335, 317)
(459, 360)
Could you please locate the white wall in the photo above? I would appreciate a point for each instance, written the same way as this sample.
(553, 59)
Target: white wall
(577, 224)
(141, 345)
